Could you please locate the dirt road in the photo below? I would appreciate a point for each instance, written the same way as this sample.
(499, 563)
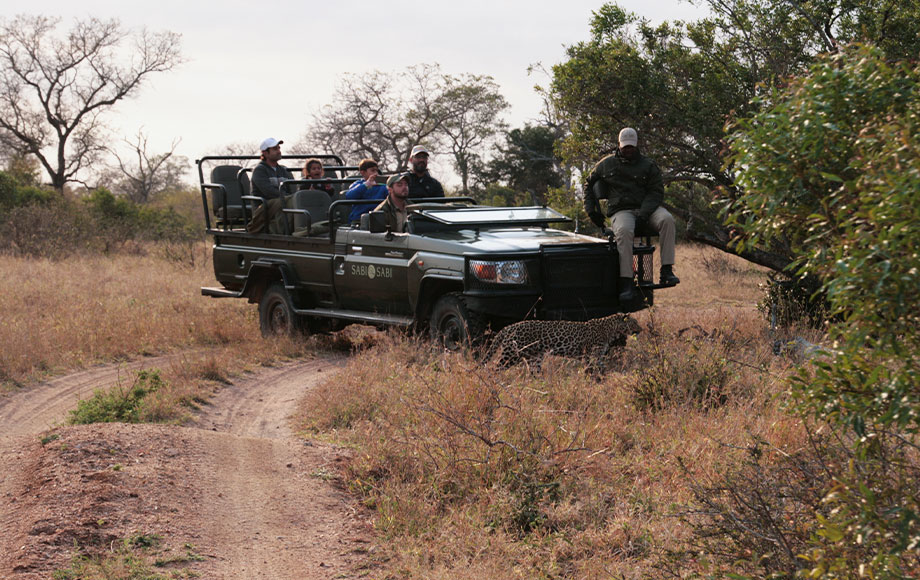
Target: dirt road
(236, 495)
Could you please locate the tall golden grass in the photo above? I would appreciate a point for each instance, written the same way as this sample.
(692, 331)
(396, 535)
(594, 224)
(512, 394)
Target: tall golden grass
(88, 309)
(59, 316)
(494, 473)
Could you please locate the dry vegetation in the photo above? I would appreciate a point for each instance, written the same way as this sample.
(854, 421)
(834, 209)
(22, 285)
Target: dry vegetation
(69, 314)
(506, 474)
(496, 473)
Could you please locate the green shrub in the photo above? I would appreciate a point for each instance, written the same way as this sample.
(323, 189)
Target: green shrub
(14, 193)
(118, 405)
(50, 226)
(832, 164)
(133, 558)
(53, 230)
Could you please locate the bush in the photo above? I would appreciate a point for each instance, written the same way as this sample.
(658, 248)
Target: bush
(99, 222)
(14, 193)
(832, 163)
(118, 405)
(757, 518)
(694, 369)
(53, 230)
(787, 301)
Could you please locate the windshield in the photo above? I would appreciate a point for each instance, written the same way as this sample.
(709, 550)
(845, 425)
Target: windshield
(495, 215)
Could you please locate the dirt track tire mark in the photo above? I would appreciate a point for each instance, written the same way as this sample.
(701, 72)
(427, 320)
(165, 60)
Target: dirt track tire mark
(260, 406)
(36, 409)
(252, 497)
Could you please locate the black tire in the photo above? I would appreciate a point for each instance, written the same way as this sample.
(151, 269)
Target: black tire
(452, 324)
(276, 313)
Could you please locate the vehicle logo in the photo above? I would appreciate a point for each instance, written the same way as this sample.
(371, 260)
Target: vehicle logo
(372, 272)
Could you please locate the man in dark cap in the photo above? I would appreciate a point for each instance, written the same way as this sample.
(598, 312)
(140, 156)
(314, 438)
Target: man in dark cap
(394, 206)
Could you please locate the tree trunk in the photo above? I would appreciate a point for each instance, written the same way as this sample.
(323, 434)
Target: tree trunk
(704, 231)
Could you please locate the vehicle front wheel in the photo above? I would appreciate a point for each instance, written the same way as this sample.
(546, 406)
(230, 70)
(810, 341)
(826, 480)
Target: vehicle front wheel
(452, 324)
(276, 313)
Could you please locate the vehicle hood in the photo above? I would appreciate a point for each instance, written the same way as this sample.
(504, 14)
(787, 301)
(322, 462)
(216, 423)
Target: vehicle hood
(507, 239)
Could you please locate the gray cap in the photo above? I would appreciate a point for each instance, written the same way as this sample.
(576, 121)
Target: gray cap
(628, 136)
(398, 177)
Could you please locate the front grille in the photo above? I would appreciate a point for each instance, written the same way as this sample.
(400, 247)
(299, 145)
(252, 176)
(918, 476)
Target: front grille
(579, 277)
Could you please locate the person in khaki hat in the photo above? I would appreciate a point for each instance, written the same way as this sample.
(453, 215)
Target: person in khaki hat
(394, 206)
(266, 183)
(632, 185)
(421, 183)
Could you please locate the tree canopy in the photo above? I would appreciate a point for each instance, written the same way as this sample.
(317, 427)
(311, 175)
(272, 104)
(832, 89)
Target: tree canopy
(526, 162)
(383, 115)
(831, 162)
(678, 83)
(54, 89)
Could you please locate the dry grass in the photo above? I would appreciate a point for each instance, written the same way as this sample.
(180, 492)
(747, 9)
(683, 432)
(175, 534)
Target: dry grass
(65, 315)
(503, 474)
(469, 468)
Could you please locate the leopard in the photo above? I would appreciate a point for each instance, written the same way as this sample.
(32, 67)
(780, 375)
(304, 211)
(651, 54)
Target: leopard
(589, 341)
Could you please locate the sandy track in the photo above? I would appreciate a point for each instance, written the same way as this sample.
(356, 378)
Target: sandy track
(46, 405)
(257, 502)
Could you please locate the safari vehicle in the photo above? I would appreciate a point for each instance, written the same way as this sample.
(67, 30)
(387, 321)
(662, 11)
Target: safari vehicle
(460, 269)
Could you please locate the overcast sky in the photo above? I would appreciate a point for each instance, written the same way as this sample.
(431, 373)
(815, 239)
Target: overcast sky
(252, 73)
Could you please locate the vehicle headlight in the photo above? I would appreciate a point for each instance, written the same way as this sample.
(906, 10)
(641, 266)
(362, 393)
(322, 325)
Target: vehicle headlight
(500, 272)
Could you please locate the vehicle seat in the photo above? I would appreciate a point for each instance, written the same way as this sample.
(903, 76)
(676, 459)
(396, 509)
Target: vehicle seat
(342, 211)
(316, 203)
(645, 232)
(231, 194)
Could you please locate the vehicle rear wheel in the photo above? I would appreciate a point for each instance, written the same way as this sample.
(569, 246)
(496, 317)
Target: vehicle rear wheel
(276, 313)
(452, 324)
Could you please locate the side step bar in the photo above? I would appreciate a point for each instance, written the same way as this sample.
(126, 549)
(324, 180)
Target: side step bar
(219, 293)
(358, 316)
(653, 286)
(374, 318)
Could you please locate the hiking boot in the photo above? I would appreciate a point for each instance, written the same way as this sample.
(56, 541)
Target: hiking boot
(667, 277)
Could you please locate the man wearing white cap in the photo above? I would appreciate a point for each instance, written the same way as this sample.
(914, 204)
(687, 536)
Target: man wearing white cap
(421, 183)
(266, 182)
(632, 185)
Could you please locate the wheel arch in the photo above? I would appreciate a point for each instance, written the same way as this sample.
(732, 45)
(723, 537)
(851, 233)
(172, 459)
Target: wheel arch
(430, 289)
(264, 273)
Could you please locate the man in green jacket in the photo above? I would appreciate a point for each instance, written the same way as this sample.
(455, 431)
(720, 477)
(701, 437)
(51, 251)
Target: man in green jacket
(631, 183)
(394, 206)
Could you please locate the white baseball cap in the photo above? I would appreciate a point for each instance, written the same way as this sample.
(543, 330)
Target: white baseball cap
(419, 149)
(269, 143)
(628, 136)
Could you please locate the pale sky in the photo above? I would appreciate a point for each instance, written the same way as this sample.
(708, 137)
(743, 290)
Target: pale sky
(252, 73)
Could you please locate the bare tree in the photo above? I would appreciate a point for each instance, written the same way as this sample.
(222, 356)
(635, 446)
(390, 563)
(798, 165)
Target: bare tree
(54, 90)
(147, 174)
(380, 115)
(383, 115)
(472, 108)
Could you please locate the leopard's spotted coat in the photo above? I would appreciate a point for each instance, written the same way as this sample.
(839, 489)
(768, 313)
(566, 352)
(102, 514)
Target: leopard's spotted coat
(589, 341)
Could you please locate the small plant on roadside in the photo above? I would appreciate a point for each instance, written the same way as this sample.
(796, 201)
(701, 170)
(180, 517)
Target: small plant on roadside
(119, 404)
(132, 558)
(46, 439)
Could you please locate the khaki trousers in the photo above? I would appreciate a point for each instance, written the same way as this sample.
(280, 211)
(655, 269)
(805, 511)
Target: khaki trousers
(623, 225)
(270, 213)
